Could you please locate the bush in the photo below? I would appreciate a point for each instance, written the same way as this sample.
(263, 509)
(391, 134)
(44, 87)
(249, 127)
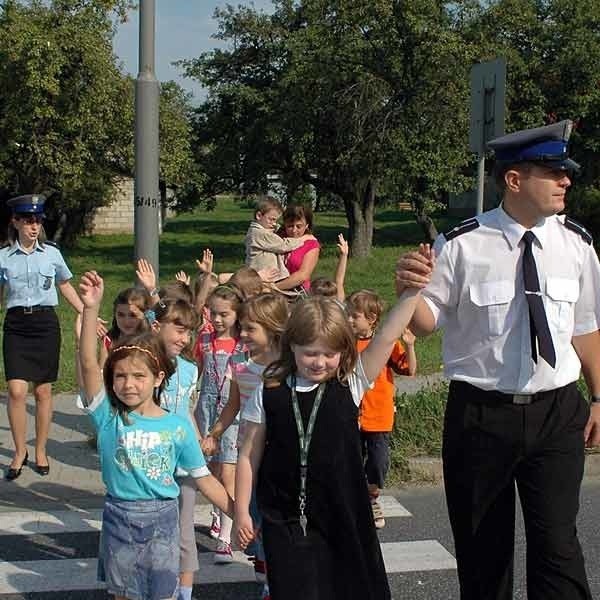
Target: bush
(417, 429)
(584, 206)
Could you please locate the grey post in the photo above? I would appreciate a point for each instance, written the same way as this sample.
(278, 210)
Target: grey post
(147, 195)
(488, 83)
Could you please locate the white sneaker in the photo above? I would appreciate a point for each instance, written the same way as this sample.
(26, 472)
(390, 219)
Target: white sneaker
(223, 554)
(215, 527)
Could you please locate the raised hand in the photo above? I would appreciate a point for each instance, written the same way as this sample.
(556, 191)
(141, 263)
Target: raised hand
(342, 245)
(413, 269)
(408, 337)
(183, 277)
(91, 289)
(206, 264)
(145, 274)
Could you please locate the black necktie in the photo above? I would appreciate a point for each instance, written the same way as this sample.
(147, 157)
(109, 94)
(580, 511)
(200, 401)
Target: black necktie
(538, 323)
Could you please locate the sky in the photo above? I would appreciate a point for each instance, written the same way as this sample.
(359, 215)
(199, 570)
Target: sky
(183, 30)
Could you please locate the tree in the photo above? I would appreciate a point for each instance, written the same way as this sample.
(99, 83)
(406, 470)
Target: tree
(349, 95)
(63, 123)
(67, 124)
(552, 49)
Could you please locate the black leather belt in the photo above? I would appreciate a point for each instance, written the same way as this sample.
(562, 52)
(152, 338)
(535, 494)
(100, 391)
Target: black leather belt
(28, 310)
(476, 394)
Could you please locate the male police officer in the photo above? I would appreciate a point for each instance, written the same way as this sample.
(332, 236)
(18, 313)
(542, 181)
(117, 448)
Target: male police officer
(515, 291)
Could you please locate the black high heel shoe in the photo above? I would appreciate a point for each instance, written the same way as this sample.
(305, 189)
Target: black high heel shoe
(12, 474)
(43, 469)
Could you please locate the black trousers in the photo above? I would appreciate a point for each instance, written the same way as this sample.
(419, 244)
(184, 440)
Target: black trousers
(376, 455)
(490, 446)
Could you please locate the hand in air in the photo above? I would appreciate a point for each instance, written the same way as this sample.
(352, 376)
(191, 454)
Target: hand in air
(342, 245)
(414, 269)
(145, 274)
(91, 289)
(183, 277)
(206, 264)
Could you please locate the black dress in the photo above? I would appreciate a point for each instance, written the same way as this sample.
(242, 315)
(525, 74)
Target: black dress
(340, 557)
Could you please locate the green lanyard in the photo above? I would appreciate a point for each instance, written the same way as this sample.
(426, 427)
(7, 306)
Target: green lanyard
(304, 439)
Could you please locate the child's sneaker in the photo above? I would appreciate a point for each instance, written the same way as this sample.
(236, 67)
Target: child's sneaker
(223, 554)
(377, 514)
(215, 528)
(260, 571)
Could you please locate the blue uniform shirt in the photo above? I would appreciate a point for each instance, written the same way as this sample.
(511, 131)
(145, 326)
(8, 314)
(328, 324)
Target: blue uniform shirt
(30, 279)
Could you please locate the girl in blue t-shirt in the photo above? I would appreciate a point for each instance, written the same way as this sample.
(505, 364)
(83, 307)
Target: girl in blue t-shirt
(174, 321)
(141, 445)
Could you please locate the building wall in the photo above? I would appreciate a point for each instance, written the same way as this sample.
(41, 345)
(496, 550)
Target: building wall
(117, 216)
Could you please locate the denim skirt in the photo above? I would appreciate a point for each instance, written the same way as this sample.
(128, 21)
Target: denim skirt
(139, 548)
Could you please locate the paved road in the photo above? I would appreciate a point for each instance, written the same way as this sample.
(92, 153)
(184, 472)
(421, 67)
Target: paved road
(49, 531)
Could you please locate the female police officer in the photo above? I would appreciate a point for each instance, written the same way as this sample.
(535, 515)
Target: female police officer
(30, 270)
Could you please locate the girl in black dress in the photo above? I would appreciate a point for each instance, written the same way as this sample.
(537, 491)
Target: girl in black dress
(302, 447)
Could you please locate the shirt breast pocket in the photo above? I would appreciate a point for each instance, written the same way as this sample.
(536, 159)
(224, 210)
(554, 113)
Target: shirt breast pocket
(46, 277)
(492, 299)
(561, 296)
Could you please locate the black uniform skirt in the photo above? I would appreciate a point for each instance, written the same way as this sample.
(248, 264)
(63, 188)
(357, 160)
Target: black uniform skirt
(31, 345)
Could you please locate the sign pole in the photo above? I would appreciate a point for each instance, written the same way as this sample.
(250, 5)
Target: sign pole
(488, 83)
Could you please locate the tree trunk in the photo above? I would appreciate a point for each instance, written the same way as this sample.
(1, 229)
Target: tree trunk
(359, 208)
(425, 221)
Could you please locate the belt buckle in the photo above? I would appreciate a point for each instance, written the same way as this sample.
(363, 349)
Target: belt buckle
(28, 310)
(522, 399)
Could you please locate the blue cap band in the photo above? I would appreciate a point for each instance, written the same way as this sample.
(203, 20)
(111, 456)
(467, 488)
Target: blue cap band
(544, 151)
(30, 209)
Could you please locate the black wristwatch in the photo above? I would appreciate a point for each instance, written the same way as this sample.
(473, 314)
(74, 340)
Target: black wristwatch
(595, 400)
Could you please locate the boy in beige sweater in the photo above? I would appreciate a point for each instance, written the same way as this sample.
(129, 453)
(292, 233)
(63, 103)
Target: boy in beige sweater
(264, 248)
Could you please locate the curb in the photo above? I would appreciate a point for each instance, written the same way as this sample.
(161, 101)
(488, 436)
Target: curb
(429, 469)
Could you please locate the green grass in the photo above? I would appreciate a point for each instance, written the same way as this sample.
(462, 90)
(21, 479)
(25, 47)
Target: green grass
(223, 230)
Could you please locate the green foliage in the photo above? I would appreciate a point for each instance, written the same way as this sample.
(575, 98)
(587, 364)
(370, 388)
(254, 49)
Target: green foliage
(350, 96)
(63, 114)
(584, 206)
(552, 50)
(418, 428)
(68, 111)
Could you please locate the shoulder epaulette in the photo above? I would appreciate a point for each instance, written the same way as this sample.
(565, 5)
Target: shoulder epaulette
(579, 229)
(51, 243)
(461, 228)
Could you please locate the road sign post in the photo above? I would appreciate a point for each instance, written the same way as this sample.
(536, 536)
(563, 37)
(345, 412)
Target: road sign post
(488, 85)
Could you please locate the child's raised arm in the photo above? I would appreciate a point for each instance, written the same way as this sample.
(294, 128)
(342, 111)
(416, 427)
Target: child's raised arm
(376, 354)
(340, 271)
(91, 290)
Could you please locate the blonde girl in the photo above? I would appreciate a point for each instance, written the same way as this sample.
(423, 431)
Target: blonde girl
(141, 445)
(262, 322)
(302, 441)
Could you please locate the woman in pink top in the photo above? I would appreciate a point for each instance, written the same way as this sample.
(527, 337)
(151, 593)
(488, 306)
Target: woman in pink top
(301, 262)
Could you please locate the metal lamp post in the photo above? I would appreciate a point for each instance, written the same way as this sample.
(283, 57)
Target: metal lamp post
(146, 190)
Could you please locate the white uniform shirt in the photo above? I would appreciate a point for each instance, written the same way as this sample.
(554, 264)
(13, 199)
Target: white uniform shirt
(477, 295)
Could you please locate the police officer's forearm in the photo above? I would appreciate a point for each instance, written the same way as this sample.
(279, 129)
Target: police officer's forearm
(71, 296)
(423, 321)
(588, 350)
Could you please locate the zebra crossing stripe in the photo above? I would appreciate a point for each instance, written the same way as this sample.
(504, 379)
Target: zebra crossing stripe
(27, 577)
(74, 521)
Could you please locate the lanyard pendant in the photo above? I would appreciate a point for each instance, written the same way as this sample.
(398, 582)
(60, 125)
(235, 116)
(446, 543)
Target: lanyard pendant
(303, 523)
